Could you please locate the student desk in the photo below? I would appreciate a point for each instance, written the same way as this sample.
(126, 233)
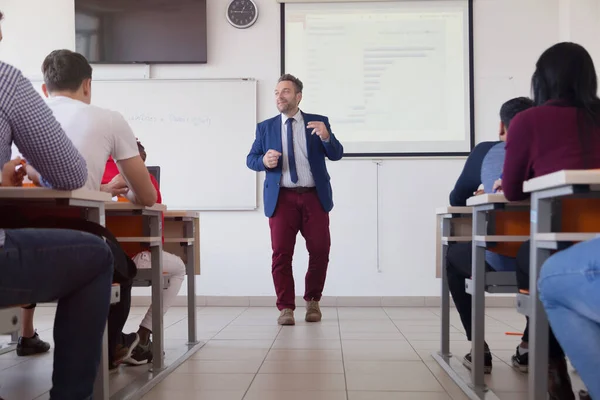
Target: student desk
(496, 225)
(86, 204)
(140, 228)
(552, 227)
(454, 225)
(182, 238)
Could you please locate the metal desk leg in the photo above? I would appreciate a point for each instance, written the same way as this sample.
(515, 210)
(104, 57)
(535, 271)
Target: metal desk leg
(478, 303)
(101, 391)
(445, 337)
(191, 283)
(158, 345)
(541, 221)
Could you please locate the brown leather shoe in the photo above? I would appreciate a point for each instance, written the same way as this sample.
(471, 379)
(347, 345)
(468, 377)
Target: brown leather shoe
(313, 311)
(286, 317)
(559, 382)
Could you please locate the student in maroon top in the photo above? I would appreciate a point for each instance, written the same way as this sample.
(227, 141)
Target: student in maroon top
(562, 132)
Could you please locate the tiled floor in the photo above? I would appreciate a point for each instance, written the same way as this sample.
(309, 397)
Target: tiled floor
(353, 354)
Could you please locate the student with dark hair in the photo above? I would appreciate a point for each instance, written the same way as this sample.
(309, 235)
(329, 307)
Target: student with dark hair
(98, 134)
(459, 256)
(562, 132)
(470, 178)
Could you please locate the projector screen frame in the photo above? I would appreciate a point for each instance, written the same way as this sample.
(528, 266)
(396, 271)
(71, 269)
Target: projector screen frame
(471, 93)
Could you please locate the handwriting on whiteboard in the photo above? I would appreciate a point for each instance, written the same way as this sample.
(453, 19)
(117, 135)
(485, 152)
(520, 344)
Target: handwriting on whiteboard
(169, 119)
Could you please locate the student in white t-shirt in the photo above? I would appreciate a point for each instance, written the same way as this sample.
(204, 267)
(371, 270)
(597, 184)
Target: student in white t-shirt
(97, 133)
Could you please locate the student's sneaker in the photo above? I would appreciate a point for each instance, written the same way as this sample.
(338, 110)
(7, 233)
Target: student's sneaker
(124, 350)
(113, 368)
(487, 362)
(30, 346)
(142, 354)
(521, 361)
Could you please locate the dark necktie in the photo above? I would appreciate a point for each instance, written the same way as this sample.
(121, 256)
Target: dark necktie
(290, 149)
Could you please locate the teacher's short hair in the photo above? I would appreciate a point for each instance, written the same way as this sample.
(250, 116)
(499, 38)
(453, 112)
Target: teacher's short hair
(291, 78)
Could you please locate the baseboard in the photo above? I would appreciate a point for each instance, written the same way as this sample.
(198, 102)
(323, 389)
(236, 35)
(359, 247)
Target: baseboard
(327, 301)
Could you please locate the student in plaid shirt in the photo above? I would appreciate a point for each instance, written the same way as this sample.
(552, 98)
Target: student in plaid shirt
(36, 262)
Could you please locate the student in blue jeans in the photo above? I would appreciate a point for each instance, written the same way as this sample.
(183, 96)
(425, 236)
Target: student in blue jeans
(75, 268)
(569, 288)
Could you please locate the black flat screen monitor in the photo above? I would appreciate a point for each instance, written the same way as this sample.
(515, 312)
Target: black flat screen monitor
(141, 31)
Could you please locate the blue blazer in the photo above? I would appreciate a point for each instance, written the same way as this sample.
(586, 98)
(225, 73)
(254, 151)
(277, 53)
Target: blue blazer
(268, 136)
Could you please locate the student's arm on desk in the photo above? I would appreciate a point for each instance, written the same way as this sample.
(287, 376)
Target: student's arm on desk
(470, 177)
(517, 163)
(42, 141)
(141, 191)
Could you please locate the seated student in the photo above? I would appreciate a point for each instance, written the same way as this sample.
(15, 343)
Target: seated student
(172, 265)
(34, 262)
(459, 256)
(569, 287)
(469, 180)
(562, 132)
(97, 133)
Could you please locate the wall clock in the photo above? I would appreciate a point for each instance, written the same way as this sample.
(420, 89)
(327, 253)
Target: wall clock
(242, 13)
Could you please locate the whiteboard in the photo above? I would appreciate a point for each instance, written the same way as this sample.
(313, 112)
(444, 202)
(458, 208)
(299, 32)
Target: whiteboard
(198, 131)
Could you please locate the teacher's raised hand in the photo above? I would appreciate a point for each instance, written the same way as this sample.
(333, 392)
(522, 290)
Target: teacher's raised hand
(319, 129)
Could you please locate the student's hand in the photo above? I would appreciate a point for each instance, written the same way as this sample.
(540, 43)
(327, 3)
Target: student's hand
(271, 158)
(10, 175)
(33, 175)
(498, 186)
(117, 186)
(479, 191)
(319, 128)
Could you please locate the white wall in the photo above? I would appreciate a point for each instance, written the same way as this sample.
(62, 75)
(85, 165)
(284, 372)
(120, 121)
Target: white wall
(383, 224)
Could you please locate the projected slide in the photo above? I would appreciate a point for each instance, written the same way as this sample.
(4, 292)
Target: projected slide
(392, 77)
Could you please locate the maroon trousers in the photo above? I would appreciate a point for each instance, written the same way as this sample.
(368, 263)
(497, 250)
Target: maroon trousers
(299, 212)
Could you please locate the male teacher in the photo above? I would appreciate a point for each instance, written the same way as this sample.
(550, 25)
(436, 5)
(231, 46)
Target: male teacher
(291, 148)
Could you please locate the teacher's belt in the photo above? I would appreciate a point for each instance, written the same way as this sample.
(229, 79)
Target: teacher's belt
(300, 189)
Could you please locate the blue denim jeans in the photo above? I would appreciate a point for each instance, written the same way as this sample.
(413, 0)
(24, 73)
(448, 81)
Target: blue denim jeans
(570, 291)
(75, 268)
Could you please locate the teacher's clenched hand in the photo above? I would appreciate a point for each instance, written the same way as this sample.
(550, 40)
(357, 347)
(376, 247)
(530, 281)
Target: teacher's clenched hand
(271, 158)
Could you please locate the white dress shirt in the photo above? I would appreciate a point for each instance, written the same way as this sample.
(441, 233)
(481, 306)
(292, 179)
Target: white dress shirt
(305, 178)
